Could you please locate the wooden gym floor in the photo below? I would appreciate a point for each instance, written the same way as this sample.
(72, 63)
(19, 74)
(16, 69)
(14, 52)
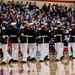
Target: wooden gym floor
(64, 67)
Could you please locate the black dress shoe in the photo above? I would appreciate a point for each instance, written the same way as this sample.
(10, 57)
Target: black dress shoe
(15, 61)
(57, 60)
(62, 58)
(10, 61)
(3, 63)
(23, 61)
(73, 57)
(28, 59)
(41, 61)
(70, 56)
(32, 59)
(46, 58)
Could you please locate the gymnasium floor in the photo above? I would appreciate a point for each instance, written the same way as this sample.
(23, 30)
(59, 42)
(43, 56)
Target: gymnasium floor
(64, 67)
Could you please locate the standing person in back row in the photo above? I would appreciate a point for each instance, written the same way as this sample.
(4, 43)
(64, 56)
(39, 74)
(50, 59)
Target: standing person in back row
(14, 40)
(59, 37)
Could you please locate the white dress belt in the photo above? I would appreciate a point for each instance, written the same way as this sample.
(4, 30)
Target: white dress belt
(13, 35)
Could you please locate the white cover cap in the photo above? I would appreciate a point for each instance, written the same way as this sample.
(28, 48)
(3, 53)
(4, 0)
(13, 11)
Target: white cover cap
(13, 23)
(72, 24)
(42, 22)
(5, 22)
(25, 22)
(45, 23)
(3, 28)
(58, 22)
(30, 24)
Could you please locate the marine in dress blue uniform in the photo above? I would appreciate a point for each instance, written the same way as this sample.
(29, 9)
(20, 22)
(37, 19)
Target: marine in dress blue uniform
(43, 39)
(71, 43)
(4, 41)
(14, 40)
(59, 37)
(32, 42)
(23, 33)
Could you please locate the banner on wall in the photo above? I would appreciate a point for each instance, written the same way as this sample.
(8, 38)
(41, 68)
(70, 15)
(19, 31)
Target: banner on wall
(72, 1)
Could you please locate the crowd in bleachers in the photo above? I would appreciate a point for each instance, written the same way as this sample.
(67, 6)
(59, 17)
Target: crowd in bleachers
(18, 11)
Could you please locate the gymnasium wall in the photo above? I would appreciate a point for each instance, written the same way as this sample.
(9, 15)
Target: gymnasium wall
(41, 2)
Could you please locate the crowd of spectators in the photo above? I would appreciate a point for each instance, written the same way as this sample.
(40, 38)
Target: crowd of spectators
(19, 12)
